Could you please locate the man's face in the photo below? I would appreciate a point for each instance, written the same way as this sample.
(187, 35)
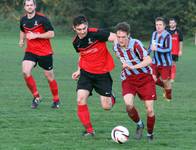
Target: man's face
(172, 24)
(81, 30)
(29, 7)
(160, 26)
(122, 38)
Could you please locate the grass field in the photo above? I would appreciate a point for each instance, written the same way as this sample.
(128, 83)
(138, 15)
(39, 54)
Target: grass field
(22, 128)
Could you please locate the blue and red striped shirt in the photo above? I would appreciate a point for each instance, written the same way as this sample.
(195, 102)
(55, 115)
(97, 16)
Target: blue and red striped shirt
(133, 55)
(162, 56)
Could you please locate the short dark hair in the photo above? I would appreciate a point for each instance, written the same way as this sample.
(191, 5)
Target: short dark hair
(24, 2)
(160, 19)
(172, 19)
(79, 20)
(123, 26)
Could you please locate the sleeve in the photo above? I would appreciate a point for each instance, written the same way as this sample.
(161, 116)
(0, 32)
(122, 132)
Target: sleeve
(101, 35)
(21, 25)
(47, 24)
(167, 46)
(149, 48)
(180, 35)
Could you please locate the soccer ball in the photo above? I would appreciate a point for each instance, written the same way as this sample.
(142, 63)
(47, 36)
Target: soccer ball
(120, 134)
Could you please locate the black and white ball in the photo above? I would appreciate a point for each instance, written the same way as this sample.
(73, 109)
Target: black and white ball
(120, 134)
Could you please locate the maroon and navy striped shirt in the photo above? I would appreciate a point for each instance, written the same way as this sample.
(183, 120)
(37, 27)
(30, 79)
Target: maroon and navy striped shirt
(133, 55)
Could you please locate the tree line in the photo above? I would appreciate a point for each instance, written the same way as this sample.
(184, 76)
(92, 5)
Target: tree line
(107, 13)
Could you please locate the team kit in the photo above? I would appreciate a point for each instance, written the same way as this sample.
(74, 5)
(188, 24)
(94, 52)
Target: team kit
(142, 68)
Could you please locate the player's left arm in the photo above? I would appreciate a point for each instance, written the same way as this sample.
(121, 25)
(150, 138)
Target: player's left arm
(145, 62)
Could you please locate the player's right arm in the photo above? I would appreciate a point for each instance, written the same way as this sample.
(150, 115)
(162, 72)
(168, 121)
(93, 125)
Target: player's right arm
(21, 39)
(76, 74)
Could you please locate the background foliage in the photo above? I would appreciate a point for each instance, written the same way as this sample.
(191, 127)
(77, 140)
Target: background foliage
(107, 13)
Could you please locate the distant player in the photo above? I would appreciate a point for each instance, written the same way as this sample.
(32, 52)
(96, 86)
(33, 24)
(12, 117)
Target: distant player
(177, 44)
(94, 66)
(37, 30)
(161, 45)
(136, 78)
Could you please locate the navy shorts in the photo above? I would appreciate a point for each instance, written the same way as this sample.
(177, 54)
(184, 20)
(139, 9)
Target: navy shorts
(45, 62)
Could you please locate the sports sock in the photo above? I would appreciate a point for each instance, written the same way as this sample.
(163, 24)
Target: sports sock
(31, 84)
(150, 124)
(173, 72)
(54, 90)
(84, 116)
(168, 93)
(159, 82)
(133, 114)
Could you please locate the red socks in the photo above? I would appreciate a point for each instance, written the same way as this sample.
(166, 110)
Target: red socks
(84, 116)
(133, 114)
(31, 84)
(168, 93)
(150, 124)
(54, 90)
(173, 72)
(159, 82)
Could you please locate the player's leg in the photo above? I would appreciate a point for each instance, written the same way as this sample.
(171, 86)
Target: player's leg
(84, 89)
(156, 75)
(46, 62)
(150, 118)
(103, 86)
(129, 87)
(173, 69)
(28, 63)
(133, 114)
(165, 75)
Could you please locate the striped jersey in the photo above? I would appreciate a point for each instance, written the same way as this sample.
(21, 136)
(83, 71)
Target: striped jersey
(133, 55)
(162, 56)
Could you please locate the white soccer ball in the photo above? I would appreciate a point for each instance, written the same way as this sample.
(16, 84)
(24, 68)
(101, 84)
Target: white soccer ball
(120, 134)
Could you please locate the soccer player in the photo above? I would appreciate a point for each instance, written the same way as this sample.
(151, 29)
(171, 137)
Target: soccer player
(177, 44)
(136, 78)
(94, 65)
(161, 45)
(37, 30)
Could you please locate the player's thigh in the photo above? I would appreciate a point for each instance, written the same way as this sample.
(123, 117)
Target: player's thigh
(82, 96)
(147, 88)
(103, 84)
(129, 99)
(129, 87)
(29, 61)
(84, 82)
(46, 62)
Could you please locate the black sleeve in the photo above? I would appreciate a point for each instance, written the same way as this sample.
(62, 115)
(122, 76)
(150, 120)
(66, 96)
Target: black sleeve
(101, 35)
(180, 35)
(47, 24)
(21, 25)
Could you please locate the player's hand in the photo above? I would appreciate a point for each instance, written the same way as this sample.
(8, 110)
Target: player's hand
(21, 44)
(76, 75)
(153, 47)
(31, 35)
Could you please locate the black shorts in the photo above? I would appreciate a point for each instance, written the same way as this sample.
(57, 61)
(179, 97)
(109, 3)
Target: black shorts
(45, 62)
(175, 57)
(102, 83)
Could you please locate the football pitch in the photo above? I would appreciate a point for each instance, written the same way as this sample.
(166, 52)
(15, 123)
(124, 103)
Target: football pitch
(22, 128)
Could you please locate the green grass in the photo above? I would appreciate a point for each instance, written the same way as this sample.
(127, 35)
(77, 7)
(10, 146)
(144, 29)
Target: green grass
(22, 128)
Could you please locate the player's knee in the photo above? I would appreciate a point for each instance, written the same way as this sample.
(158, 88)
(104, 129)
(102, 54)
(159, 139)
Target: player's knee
(26, 73)
(49, 76)
(81, 100)
(150, 112)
